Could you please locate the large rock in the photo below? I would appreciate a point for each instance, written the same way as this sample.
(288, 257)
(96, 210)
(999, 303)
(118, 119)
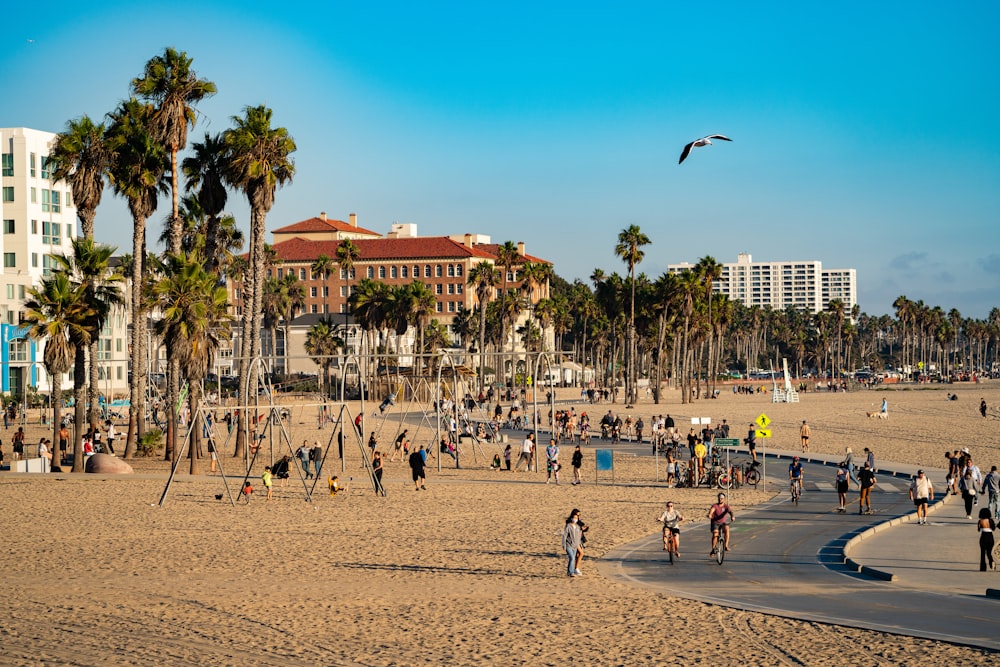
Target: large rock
(106, 464)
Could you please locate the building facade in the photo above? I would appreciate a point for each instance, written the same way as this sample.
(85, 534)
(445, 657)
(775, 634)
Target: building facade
(39, 222)
(803, 285)
(398, 258)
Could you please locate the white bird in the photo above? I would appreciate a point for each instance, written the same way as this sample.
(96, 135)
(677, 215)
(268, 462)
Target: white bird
(704, 141)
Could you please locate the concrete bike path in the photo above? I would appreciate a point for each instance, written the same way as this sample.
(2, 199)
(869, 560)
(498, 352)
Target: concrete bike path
(788, 560)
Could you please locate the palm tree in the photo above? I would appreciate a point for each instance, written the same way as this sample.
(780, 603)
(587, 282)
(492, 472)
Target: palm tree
(195, 319)
(708, 271)
(484, 278)
(258, 161)
(203, 172)
(138, 163)
(81, 157)
(422, 305)
(90, 266)
(322, 344)
(507, 257)
(293, 299)
(629, 250)
(169, 83)
(347, 254)
(322, 267)
(56, 312)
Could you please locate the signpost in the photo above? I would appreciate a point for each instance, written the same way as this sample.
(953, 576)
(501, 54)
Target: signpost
(763, 421)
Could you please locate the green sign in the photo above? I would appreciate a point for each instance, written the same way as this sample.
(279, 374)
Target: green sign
(727, 442)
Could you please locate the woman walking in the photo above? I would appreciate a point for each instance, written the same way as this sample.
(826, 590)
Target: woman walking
(571, 540)
(577, 461)
(968, 487)
(986, 526)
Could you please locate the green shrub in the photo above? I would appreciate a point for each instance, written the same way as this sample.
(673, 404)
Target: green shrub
(149, 442)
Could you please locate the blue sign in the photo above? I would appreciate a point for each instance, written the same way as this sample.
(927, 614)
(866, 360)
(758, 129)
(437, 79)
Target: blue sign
(605, 459)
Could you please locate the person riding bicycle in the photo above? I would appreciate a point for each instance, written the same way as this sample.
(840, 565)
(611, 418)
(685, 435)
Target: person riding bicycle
(670, 518)
(795, 473)
(720, 516)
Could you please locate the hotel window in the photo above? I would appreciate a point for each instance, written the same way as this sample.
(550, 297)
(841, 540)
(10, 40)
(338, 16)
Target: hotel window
(34, 195)
(438, 272)
(458, 270)
(381, 272)
(10, 260)
(458, 288)
(50, 201)
(326, 291)
(343, 291)
(416, 271)
(10, 292)
(8, 164)
(451, 270)
(302, 274)
(312, 292)
(451, 288)
(51, 232)
(8, 226)
(437, 306)
(393, 272)
(20, 292)
(8, 193)
(427, 271)
(45, 167)
(371, 271)
(281, 274)
(451, 306)
(313, 308)
(34, 226)
(31, 164)
(405, 270)
(438, 288)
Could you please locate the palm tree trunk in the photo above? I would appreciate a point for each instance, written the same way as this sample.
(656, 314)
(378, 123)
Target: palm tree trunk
(94, 389)
(79, 399)
(137, 383)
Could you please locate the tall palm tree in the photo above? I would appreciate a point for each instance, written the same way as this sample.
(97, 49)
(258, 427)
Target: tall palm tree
(258, 161)
(322, 344)
(138, 163)
(195, 319)
(347, 254)
(507, 257)
(57, 312)
(203, 172)
(293, 299)
(169, 83)
(422, 305)
(483, 277)
(708, 271)
(90, 266)
(629, 249)
(322, 267)
(81, 157)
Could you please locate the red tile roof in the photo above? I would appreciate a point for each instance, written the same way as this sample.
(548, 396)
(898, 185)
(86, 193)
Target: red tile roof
(490, 250)
(318, 225)
(425, 247)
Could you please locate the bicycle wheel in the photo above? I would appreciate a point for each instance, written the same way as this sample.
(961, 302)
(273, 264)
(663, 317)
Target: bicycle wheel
(670, 551)
(752, 477)
(720, 550)
(725, 481)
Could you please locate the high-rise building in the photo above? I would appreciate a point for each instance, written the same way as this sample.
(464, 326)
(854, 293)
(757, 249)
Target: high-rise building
(804, 285)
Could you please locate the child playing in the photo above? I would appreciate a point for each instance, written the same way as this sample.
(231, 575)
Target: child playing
(266, 478)
(247, 490)
(335, 487)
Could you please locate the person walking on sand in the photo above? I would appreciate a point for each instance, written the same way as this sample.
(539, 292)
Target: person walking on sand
(577, 462)
(885, 406)
(804, 434)
(867, 479)
(572, 538)
(527, 446)
(982, 407)
(583, 542)
(552, 461)
(985, 526)
(507, 454)
(397, 447)
(417, 464)
(377, 471)
(921, 493)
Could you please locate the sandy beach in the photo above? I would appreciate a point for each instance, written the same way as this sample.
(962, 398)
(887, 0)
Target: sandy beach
(467, 572)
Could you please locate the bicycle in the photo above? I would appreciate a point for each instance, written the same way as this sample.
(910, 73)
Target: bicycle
(796, 489)
(671, 545)
(750, 473)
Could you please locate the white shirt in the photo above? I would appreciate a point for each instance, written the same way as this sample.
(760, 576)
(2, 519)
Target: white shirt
(527, 445)
(921, 487)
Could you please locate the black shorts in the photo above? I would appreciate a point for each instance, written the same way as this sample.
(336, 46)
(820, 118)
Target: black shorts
(674, 530)
(842, 487)
(719, 525)
(919, 501)
(418, 473)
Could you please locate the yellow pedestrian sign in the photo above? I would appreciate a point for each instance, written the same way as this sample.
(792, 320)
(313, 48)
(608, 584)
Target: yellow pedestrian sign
(763, 433)
(762, 421)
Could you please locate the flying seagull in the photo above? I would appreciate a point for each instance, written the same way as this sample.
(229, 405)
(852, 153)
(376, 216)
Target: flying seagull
(704, 141)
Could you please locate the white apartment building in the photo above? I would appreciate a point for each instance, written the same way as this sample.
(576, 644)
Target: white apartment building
(804, 285)
(39, 221)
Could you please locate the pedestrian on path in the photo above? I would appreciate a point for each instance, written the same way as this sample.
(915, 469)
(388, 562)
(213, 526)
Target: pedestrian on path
(867, 478)
(804, 434)
(968, 487)
(985, 527)
(991, 485)
(921, 493)
(843, 483)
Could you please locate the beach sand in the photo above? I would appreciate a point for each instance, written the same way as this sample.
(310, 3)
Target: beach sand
(467, 572)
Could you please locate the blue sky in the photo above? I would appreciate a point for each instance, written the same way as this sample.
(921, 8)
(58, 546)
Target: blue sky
(863, 133)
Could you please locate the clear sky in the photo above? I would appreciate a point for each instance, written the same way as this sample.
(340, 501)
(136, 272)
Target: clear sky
(864, 133)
